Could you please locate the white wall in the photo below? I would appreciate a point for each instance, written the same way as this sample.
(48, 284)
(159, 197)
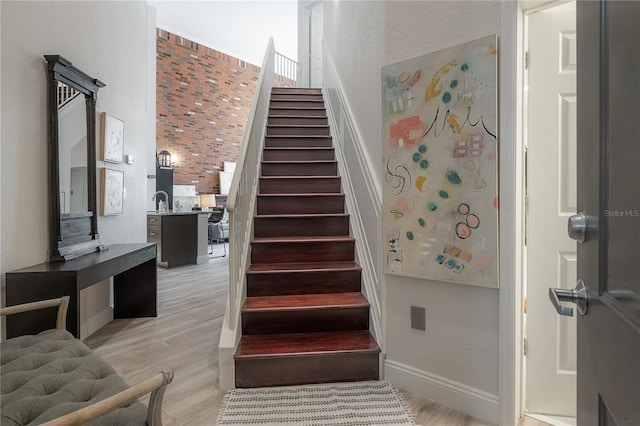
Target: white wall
(107, 40)
(463, 320)
(455, 361)
(354, 37)
(237, 28)
(351, 93)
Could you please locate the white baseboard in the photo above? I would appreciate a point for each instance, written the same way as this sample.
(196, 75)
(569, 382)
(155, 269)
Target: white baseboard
(460, 397)
(553, 420)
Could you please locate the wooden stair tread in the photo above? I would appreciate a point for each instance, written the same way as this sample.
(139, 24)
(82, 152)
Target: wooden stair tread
(265, 268)
(305, 239)
(304, 344)
(299, 126)
(303, 215)
(297, 108)
(315, 117)
(298, 177)
(299, 136)
(294, 93)
(299, 161)
(303, 194)
(296, 89)
(298, 148)
(304, 302)
(294, 98)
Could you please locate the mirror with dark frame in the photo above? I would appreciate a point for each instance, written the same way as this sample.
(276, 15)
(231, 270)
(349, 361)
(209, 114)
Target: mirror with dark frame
(73, 222)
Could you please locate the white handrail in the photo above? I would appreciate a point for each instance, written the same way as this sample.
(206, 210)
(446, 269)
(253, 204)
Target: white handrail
(241, 199)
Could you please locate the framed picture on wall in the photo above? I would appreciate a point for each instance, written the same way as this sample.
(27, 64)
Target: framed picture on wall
(111, 138)
(111, 191)
(440, 155)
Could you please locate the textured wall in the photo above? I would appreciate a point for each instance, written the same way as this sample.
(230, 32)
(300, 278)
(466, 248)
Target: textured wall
(203, 101)
(107, 40)
(460, 343)
(354, 36)
(461, 337)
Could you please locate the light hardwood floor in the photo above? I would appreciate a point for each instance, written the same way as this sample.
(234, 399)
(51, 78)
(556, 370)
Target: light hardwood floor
(185, 336)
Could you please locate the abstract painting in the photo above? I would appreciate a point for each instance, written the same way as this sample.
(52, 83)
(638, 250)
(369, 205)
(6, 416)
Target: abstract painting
(440, 159)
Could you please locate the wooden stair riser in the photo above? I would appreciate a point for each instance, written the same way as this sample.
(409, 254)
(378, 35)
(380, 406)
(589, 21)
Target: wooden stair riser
(297, 154)
(301, 185)
(309, 282)
(302, 251)
(301, 130)
(322, 368)
(296, 90)
(296, 104)
(275, 120)
(305, 321)
(296, 97)
(300, 204)
(298, 141)
(309, 168)
(318, 111)
(282, 226)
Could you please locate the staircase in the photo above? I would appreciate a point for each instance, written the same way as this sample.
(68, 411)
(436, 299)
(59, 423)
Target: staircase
(305, 319)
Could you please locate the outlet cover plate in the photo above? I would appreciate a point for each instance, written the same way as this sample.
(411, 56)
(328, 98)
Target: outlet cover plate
(418, 318)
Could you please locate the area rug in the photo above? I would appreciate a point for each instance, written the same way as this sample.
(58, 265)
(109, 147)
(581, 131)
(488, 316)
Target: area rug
(358, 403)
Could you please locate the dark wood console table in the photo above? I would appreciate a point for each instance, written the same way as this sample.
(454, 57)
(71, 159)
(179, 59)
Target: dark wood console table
(133, 267)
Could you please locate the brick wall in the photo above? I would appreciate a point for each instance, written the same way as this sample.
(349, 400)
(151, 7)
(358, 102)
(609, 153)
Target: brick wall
(203, 99)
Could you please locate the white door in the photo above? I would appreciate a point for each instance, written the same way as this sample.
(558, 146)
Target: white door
(315, 45)
(79, 198)
(551, 190)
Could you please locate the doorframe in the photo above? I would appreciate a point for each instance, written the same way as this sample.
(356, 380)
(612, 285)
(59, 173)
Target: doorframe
(529, 7)
(304, 39)
(511, 155)
(512, 199)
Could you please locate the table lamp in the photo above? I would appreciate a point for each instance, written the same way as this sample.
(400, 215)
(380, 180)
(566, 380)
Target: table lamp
(207, 201)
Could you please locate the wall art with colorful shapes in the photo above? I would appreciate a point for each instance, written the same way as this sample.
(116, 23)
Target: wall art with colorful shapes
(440, 197)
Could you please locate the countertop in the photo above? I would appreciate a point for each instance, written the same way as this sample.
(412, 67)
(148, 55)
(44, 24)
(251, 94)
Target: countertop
(172, 213)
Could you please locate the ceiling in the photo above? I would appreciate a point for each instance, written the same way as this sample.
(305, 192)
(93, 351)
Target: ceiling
(239, 28)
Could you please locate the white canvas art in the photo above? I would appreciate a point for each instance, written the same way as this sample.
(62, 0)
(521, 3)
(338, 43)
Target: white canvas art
(111, 138)
(440, 149)
(112, 191)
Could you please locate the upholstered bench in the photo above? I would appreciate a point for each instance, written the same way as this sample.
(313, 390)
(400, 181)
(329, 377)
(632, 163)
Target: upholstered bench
(54, 378)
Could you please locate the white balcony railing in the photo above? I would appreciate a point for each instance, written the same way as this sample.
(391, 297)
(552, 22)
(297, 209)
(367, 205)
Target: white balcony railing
(65, 94)
(286, 71)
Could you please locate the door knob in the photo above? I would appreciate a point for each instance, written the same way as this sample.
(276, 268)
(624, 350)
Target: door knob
(579, 296)
(577, 227)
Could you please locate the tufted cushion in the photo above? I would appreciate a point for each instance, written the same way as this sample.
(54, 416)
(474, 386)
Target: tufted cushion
(46, 376)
